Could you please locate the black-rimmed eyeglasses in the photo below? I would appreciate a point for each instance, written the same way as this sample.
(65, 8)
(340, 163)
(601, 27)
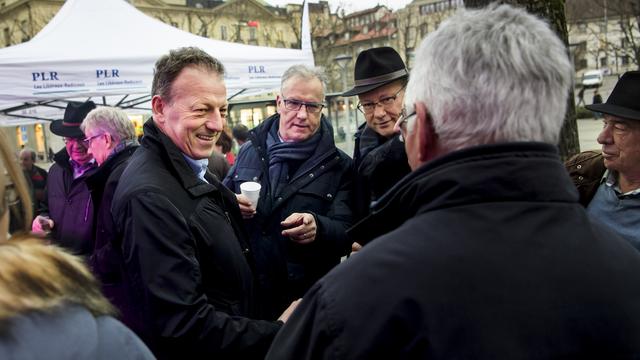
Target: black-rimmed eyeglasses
(385, 102)
(295, 105)
(67, 140)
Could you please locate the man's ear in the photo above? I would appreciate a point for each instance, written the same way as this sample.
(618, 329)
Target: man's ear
(110, 142)
(278, 103)
(426, 135)
(157, 108)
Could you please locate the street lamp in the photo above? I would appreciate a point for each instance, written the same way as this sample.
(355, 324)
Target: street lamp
(342, 61)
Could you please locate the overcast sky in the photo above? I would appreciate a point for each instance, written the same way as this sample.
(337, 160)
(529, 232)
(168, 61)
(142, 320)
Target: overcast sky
(349, 6)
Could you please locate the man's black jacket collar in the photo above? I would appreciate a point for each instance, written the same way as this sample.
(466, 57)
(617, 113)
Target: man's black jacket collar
(503, 172)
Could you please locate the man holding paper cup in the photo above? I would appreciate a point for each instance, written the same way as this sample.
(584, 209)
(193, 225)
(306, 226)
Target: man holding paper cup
(297, 228)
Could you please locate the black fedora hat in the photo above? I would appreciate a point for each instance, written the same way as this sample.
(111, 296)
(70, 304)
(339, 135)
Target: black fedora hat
(74, 114)
(623, 101)
(375, 68)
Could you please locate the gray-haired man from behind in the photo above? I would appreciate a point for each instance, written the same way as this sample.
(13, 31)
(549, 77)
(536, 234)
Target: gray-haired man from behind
(487, 252)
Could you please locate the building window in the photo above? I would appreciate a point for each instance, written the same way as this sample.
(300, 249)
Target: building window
(223, 32)
(24, 25)
(582, 27)
(624, 60)
(603, 61)
(7, 37)
(410, 57)
(603, 27)
(582, 64)
(424, 29)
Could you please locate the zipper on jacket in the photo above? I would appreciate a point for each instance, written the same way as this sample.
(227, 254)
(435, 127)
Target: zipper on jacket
(86, 209)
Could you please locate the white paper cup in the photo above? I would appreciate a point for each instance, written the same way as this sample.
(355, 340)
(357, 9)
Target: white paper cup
(251, 190)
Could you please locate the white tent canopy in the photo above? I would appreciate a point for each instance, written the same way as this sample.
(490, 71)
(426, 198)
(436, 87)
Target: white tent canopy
(107, 49)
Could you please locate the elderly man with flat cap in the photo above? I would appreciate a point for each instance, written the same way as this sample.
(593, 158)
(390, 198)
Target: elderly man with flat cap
(380, 160)
(67, 208)
(609, 180)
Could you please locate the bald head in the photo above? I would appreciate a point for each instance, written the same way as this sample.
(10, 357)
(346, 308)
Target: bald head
(27, 159)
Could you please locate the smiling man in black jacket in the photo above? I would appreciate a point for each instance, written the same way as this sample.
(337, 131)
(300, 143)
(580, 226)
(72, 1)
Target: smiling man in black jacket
(187, 265)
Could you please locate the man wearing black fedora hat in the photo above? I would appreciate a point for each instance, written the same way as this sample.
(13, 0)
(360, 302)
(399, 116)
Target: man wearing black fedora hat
(380, 160)
(67, 210)
(609, 180)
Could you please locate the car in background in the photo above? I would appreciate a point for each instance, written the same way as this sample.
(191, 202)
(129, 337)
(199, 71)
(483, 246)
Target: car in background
(592, 78)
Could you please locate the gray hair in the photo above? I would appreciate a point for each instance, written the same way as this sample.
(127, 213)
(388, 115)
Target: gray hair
(112, 121)
(30, 151)
(304, 72)
(169, 66)
(492, 75)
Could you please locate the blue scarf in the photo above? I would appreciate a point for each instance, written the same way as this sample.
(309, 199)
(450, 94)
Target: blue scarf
(281, 154)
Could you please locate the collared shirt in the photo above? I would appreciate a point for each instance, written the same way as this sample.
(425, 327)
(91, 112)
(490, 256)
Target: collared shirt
(620, 212)
(199, 167)
(610, 178)
(79, 170)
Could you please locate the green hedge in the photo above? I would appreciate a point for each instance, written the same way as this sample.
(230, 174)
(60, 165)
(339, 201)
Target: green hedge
(583, 113)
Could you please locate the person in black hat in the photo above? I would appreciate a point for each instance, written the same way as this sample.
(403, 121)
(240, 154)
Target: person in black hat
(67, 210)
(379, 157)
(609, 180)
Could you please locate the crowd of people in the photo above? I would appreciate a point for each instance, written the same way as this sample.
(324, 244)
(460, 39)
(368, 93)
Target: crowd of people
(453, 231)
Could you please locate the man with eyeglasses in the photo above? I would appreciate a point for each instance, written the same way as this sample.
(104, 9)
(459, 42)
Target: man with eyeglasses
(486, 252)
(67, 210)
(111, 139)
(297, 231)
(380, 160)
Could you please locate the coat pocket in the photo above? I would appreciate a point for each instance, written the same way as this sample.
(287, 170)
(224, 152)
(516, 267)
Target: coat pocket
(244, 175)
(316, 196)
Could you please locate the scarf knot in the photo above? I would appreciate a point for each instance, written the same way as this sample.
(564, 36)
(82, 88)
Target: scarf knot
(283, 154)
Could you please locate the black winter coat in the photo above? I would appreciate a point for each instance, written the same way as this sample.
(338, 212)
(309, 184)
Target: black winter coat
(379, 164)
(185, 259)
(320, 186)
(106, 260)
(484, 253)
(68, 203)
